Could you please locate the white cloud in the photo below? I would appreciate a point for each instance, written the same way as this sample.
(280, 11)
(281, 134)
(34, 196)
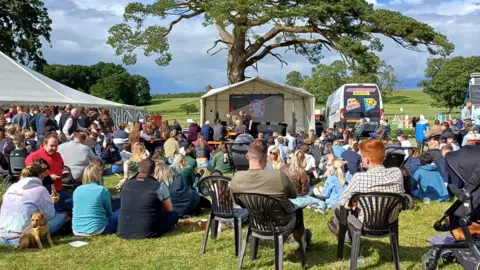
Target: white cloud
(80, 31)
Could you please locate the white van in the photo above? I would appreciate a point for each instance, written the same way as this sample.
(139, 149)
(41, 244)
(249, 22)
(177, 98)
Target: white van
(352, 102)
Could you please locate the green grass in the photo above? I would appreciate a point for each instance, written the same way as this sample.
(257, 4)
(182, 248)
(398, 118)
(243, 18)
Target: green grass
(180, 249)
(169, 109)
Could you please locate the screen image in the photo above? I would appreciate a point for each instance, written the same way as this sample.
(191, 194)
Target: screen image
(262, 108)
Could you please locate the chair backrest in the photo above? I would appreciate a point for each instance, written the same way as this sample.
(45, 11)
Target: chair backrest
(267, 215)
(238, 157)
(393, 160)
(218, 188)
(379, 209)
(16, 164)
(67, 177)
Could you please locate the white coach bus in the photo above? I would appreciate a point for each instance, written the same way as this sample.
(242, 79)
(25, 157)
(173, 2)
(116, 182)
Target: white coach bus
(352, 102)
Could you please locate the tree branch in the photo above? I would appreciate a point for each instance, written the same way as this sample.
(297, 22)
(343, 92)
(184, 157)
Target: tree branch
(215, 45)
(187, 16)
(269, 48)
(284, 29)
(223, 33)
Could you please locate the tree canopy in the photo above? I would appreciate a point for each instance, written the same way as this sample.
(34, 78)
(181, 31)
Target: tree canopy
(325, 79)
(105, 80)
(349, 27)
(22, 24)
(447, 79)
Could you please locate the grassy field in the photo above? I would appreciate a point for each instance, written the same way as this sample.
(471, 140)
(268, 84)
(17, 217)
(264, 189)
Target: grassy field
(413, 102)
(180, 249)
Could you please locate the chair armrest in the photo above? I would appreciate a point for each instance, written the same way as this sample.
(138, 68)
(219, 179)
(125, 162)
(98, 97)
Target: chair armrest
(409, 203)
(352, 220)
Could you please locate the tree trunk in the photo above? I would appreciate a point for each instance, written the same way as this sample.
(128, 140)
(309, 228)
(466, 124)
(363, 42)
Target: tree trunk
(236, 61)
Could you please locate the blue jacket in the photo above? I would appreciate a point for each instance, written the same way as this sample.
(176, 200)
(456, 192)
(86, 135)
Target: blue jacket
(332, 191)
(92, 206)
(412, 165)
(207, 132)
(427, 182)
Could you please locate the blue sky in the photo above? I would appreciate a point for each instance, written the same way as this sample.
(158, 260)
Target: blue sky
(80, 32)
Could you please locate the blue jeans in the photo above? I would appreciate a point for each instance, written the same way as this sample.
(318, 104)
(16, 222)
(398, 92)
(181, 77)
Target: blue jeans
(113, 170)
(54, 225)
(112, 223)
(65, 204)
(304, 201)
(169, 220)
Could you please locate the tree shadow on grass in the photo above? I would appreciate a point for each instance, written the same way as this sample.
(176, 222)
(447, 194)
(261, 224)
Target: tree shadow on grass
(158, 101)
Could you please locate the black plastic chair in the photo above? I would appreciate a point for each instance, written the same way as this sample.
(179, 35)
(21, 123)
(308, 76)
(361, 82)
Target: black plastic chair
(380, 213)
(68, 181)
(269, 220)
(218, 187)
(15, 167)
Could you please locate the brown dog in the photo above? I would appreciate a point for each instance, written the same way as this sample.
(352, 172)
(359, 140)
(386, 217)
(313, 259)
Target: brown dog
(34, 232)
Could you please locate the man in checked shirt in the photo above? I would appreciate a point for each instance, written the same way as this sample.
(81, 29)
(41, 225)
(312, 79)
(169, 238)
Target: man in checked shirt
(377, 178)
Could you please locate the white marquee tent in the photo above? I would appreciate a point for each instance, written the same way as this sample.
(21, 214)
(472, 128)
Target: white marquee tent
(22, 85)
(297, 101)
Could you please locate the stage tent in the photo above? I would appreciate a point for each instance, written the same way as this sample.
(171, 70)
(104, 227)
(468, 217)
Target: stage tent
(24, 86)
(299, 103)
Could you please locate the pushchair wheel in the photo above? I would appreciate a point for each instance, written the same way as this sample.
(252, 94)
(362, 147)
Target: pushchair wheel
(429, 262)
(447, 257)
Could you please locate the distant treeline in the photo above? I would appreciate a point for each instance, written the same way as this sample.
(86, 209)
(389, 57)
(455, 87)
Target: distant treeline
(179, 95)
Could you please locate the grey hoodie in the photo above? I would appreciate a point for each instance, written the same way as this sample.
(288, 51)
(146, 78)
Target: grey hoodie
(21, 200)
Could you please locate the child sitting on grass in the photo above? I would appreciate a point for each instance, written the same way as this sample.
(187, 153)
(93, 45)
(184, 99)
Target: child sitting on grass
(332, 191)
(427, 181)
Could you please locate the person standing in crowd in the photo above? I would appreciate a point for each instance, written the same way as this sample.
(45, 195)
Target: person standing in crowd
(3, 122)
(44, 121)
(175, 126)
(281, 146)
(219, 131)
(65, 115)
(193, 131)
(420, 130)
(414, 123)
(377, 178)
(291, 142)
(466, 113)
(76, 155)
(147, 210)
(58, 116)
(49, 153)
(207, 131)
(71, 124)
(92, 206)
(83, 119)
(22, 118)
(272, 183)
(202, 153)
(120, 136)
(240, 128)
(24, 198)
(246, 120)
(34, 119)
(11, 113)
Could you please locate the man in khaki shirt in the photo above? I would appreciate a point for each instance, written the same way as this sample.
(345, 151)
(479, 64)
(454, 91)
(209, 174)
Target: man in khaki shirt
(171, 146)
(271, 183)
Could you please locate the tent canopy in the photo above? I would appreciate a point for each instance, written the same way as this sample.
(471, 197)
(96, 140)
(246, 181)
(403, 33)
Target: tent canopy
(299, 104)
(22, 85)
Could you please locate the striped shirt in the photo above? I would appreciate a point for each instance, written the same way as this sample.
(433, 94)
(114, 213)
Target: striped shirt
(376, 179)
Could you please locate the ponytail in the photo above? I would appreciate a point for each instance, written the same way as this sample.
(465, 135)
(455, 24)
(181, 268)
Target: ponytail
(33, 170)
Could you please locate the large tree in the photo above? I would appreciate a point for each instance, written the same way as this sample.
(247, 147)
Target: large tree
(447, 79)
(308, 27)
(325, 79)
(22, 25)
(105, 80)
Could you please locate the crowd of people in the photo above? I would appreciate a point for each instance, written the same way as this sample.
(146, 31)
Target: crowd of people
(161, 168)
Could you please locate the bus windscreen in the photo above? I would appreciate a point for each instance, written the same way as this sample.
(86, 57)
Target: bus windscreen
(361, 102)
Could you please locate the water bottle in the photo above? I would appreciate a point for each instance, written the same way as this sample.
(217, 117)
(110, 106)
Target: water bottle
(361, 261)
(426, 200)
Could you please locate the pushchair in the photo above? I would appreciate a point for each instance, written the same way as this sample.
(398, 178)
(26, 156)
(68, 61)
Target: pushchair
(465, 211)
